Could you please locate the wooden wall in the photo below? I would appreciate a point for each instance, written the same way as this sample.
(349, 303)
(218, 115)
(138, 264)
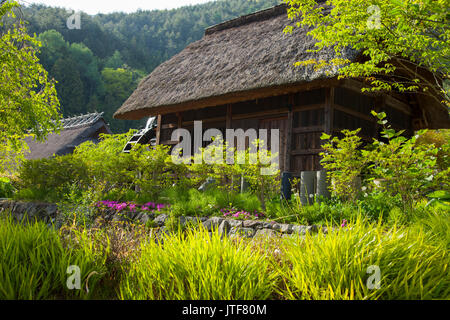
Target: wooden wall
(301, 118)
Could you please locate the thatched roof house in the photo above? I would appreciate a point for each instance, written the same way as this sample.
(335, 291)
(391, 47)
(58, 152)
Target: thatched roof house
(75, 131)
(241, 74)
(235, 60)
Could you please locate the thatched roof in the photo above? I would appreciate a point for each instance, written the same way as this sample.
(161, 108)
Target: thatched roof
(242, 59)
(246, 54)
(75, 131)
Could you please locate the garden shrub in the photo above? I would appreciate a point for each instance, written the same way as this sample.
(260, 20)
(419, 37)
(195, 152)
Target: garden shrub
(6, 188)
(262, 176)
(344, 162)
(401, 165)
(378, 204)
(107, 166)
(50, 179)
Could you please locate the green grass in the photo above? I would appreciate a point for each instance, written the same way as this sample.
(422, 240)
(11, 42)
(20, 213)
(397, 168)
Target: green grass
(208, 203)
(335, 266)
(196, 266)
(33, 263)
(125, 263)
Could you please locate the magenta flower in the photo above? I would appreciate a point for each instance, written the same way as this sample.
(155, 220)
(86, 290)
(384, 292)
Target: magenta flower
(344, 223)
(121, 206)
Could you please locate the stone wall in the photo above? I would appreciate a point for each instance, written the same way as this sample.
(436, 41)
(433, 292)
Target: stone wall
(48, 213)
(45, 212)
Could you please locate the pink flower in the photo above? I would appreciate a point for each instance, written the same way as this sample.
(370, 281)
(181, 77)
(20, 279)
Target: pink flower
(121, 206)
(344, 223)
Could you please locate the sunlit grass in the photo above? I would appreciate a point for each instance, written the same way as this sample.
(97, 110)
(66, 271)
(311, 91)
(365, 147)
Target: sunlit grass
(336, 265)
(129, 262)
(33, 263)
(199, 266)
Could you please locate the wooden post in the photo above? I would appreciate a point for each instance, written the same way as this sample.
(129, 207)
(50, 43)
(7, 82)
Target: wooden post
(307, 189)
(287, 156)
(329, 112)
(229, 116)
(180, 124)
(158, 130)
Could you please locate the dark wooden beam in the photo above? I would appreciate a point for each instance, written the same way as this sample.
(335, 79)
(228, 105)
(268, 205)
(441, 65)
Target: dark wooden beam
(355, 113)
(180, 120)
(306, 152)
(329, 110)
(308, 107)
(158, 130)
(168, 126)
(229, 117)
(309, 129)
(290, 123)
(169, 142)
(179, 124)
(393, 99)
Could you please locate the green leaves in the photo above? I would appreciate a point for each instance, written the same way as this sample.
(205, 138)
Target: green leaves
(403, 166)
(28, 100)
(397, 38)
(343, 159)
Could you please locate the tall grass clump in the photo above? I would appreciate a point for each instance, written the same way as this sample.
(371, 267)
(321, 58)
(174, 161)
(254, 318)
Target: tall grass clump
(336, 265)
(435, 222)
(34, 262)
(198, 266)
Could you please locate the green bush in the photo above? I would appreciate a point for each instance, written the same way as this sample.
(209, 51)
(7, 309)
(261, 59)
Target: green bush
(50, 179)
(6, 188)
(401, 166)
(378, 204)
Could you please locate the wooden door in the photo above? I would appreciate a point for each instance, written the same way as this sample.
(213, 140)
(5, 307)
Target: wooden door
(281, 124)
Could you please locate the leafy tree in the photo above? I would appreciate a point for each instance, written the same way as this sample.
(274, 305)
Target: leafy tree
(396, 38)
(53, 47)
(88, 68)
(119, 85)
(136, 42)
(70, 86)
(115, 61)
(28, 100)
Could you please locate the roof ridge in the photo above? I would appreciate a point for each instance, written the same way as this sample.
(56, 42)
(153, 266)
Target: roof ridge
(82, 120)
(249, 18)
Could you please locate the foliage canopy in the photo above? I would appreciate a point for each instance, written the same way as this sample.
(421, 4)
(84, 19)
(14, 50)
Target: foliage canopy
(28, 99)
(398, 40)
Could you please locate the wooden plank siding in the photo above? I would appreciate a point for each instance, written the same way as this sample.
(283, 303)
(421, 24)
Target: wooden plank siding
(301, 117)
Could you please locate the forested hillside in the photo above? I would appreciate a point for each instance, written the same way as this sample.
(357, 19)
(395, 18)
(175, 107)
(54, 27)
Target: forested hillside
(98, 66)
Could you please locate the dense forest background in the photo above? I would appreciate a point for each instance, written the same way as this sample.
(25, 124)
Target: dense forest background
(98, 66)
